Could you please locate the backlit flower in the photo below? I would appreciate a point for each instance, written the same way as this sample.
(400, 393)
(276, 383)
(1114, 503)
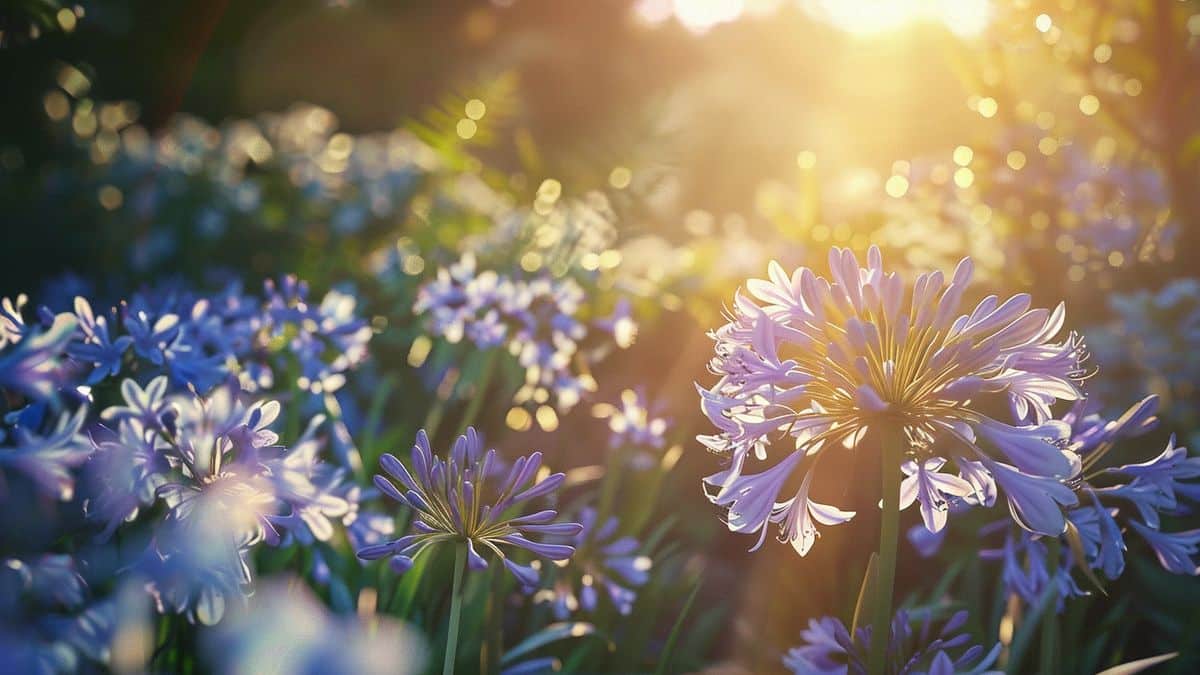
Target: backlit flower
(806, 364)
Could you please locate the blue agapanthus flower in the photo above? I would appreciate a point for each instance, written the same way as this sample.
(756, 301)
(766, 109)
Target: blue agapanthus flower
(47, 457)
(201, 340)
(215, 465)
(634, 422)
(32, 359)
(605, 563)
(829, 649)
(463, 499)
(812, 364)
(1112, 502)
(538, 320)
(46, 622)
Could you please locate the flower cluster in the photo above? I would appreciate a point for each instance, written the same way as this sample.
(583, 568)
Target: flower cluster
(830, 649)
(1113, 501)
(603, 561)
(468, 499)
(48, 622)
(202, 340)
(538, 320)
(226, 484)
(815, 364)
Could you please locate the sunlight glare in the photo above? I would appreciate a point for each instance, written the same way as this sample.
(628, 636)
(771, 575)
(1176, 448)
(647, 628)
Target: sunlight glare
(866, 17)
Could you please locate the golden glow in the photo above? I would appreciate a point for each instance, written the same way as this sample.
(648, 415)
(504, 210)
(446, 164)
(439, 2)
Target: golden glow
(1089, 105)
(866, 17)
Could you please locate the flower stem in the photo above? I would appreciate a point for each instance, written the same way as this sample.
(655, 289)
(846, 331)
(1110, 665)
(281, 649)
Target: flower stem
(892, 448)
(460, 561)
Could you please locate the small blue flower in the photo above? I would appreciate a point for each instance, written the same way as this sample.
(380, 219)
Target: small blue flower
(603, 562)
(829, 649)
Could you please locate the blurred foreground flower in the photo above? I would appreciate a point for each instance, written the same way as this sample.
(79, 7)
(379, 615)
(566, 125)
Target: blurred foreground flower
(463, 500)
(287, 630)
(829, 649)
(215, 464)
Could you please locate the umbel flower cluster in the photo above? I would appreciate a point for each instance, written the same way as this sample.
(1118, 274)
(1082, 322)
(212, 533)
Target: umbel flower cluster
(183, 468)
(469, 499)
(830, 649)
(1113, 500)
(809, 365)
(538, 320)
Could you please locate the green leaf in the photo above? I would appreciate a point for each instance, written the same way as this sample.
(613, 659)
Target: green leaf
(664, 660)
(865, 592)
(552, 633)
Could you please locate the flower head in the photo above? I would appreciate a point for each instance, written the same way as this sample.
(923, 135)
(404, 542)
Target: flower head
(604, 562)
(811, 364)
(463, 499)
(830, 649)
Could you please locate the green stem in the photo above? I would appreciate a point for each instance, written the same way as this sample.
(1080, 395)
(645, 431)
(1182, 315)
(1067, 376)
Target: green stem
(1049, 648)
(493, 646)
(892, 449)
(460, 562)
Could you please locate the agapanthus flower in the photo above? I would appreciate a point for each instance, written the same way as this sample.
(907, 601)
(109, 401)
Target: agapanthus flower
(633, 423)
(227, 485)
(829, 649)
(813, 364)
(537, 320)
(31, 360)
(461, 499)
(1112, 501)
(287, 630)
(604, 563)
(46, 623)
(47, 458)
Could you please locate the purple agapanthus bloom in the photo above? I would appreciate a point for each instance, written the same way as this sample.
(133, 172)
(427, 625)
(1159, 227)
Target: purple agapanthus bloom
(604, 563)
(46, 625)
(47, 459)
(633, 422)
(537, 320)
(829, 649)
(227, 485)
(807, 364)
(462, 500)
(1111, 502)
(31, 360)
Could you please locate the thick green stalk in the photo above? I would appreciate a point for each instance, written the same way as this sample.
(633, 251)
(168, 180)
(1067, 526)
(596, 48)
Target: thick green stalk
(460, 562)
(892, 449)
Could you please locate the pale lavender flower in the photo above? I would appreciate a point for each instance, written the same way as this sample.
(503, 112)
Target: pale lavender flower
(633, 422)
(812, 364)
(462, 500)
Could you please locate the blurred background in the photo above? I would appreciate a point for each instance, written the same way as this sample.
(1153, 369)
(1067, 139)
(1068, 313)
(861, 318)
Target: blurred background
(366, 143)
